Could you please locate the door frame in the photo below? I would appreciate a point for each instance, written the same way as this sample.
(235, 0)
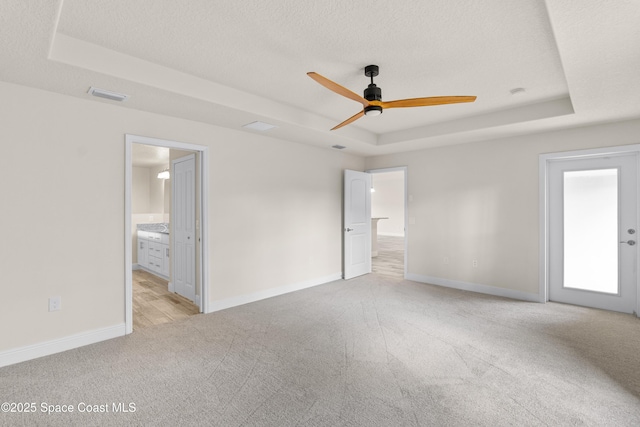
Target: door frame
(544, 236)
(404, 169)
(203, 232)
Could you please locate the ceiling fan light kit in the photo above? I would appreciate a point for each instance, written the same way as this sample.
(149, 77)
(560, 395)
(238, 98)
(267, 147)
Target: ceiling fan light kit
(372, 102)
(372, 110)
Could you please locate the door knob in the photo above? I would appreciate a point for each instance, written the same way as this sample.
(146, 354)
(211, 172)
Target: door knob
(629, 242)
(349, 229)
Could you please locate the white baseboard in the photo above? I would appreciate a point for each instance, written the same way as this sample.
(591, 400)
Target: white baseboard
(155, 273)
(382, 233)
(269, 293)
(475, 287)
(46, 348)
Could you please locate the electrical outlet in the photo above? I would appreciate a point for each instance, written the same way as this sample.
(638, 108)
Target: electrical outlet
(474, 262)
(55, 303)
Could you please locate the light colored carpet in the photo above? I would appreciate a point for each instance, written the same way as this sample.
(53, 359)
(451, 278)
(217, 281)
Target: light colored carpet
(372, 351)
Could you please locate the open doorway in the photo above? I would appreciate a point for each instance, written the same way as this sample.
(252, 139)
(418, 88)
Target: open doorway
(155, 257)
(388, 222)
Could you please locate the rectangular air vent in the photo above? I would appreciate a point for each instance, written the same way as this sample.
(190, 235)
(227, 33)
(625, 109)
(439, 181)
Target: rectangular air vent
(107, 94)
(259, 126)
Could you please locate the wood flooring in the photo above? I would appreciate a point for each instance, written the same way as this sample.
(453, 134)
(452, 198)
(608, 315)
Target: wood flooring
(153, 304)
(390, 259)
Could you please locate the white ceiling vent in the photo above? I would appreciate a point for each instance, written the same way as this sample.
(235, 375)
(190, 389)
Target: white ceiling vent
(259, 126)
(114, 96)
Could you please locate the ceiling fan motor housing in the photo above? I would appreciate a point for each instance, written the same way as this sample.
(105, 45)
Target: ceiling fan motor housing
(373, 93)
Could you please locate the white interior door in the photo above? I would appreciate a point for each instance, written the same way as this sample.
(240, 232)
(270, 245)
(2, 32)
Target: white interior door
(357, 223)
(183, 219)
(593, 232)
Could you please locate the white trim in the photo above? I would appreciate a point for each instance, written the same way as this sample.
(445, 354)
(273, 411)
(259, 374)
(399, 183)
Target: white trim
(46, 348)
(204, 231)
(146, 140)
(475, 287)
(404, 169)
(543, 232)
(204, 204)
(543, 183)
(273, 292)
(155, 273)
(188, 157)
(128, 247)
(595, 152)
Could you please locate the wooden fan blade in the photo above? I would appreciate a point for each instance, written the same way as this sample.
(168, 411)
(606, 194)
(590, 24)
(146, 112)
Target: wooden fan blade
(335, 87)
(423, 102)
(349, 120)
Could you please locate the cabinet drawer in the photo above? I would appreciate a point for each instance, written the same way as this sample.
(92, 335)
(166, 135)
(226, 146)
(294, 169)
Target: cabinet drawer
(154, 237)
(155, 264)
(155, 249)
(143, 235)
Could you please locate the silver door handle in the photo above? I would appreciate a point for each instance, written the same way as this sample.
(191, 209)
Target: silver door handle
(629, 242)
(349, 229)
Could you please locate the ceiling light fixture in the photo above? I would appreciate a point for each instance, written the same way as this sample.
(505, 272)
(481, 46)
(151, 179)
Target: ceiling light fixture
(372, 110)
(164, 174)
(107, 94)
(259, 126)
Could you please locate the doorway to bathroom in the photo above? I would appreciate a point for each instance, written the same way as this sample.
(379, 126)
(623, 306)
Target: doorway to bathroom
(165, 229)
(388, 221)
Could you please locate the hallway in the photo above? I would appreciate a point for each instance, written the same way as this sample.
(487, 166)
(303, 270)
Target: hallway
(390, 259)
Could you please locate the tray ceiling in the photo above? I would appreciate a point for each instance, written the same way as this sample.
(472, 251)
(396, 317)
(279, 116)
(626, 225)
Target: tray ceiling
(231, 63)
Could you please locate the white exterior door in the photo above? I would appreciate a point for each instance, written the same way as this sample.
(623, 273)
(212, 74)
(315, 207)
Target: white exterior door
(357, 223)
(183, 219)
(593, 232)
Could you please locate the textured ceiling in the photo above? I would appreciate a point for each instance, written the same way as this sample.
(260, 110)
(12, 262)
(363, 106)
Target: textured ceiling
(230, 63)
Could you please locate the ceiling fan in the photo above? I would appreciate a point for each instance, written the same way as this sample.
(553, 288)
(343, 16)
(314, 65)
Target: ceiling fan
(372, 101)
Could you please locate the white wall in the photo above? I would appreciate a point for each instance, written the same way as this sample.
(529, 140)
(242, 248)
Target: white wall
(147, 191)
(275, 211)
(140, 190)
(147, 201)
(388, 202)
(480, 201)
(156, 191)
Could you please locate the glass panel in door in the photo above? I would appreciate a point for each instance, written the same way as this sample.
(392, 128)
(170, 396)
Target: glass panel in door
(591, 230)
